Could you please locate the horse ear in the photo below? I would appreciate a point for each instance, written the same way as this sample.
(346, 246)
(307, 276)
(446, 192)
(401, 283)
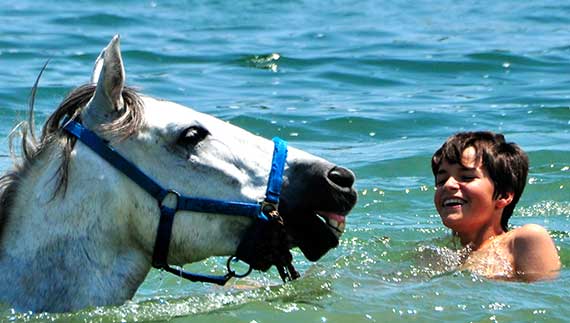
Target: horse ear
(97, 67)
(109, 74)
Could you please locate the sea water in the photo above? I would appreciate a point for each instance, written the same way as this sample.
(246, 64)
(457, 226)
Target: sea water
(376, 86)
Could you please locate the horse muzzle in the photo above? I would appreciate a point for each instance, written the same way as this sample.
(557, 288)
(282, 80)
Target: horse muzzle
(314, 205)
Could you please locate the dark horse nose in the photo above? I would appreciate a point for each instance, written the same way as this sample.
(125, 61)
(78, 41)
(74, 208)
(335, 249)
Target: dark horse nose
(341, 176)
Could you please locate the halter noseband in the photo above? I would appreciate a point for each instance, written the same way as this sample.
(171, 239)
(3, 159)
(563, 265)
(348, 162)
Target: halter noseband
(260, 212)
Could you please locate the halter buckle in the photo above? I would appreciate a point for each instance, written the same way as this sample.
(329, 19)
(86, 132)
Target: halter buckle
(170, 196)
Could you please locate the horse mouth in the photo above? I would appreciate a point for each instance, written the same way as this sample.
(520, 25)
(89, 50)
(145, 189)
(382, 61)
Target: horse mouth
(335, 222)
(315, 202)
(315, 232)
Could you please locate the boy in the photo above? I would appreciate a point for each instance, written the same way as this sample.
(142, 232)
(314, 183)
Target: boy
(479, 180)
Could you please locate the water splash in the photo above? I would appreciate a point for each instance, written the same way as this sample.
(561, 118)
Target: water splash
(312, 287)
(545, 209)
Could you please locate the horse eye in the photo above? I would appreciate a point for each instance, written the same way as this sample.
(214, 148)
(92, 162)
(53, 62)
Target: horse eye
(191, 136)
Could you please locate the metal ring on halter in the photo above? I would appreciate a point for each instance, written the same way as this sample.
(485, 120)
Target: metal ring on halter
(170, 192)
(232, 272)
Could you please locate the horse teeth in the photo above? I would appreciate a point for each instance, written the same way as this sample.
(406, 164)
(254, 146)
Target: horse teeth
(338, 226)
(333, 223)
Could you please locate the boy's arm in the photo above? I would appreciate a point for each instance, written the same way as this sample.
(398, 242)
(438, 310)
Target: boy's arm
(535, 255)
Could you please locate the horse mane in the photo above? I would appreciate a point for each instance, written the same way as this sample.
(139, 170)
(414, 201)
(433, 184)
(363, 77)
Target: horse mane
(128, 122)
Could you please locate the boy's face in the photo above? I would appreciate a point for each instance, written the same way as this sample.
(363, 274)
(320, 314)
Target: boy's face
(464, 195)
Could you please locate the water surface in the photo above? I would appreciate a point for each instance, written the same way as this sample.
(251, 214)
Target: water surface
(374, 86)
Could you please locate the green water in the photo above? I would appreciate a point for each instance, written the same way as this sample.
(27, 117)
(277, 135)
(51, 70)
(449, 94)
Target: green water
(375, 86)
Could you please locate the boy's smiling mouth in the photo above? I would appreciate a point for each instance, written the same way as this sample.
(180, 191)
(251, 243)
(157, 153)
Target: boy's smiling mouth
(453, 202)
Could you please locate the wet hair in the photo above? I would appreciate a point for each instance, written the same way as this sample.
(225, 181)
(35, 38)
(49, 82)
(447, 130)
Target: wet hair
(505, 162)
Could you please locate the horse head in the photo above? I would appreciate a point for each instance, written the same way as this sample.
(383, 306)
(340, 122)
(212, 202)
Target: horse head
(200, 155)
(109, 220)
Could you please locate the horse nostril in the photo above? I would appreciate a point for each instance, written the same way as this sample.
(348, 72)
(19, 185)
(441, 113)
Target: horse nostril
(341, 176)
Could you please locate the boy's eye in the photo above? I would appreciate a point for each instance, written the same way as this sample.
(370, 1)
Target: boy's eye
(468, 178)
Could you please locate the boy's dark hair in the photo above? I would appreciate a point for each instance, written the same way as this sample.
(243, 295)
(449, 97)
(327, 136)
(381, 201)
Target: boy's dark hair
(506, 163)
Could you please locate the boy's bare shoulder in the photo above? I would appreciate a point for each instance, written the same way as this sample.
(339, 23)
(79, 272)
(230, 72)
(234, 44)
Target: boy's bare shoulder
(530, 233)
(534, 253)
(531, 238)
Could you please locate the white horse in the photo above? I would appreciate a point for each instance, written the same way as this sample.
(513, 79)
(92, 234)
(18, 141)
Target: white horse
(77, 232)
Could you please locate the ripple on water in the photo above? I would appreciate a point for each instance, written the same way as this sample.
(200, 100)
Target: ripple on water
(263, 61)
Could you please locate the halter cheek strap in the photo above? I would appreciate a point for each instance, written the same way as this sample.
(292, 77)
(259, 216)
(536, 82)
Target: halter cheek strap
(256, 211)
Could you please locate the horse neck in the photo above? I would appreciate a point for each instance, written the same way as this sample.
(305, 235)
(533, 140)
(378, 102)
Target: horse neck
(74, 245)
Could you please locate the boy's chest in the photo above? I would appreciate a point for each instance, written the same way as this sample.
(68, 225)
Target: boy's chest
(493, 261)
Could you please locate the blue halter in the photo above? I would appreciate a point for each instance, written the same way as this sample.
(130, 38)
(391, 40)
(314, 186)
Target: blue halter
(186, 203)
